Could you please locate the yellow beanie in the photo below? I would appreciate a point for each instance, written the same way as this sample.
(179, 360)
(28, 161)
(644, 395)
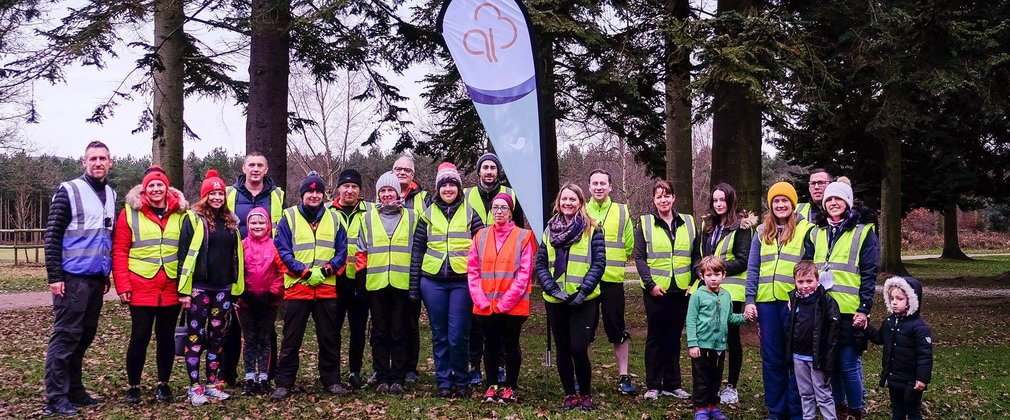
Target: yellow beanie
(784, 189)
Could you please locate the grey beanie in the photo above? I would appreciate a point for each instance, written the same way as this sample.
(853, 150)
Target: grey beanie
(492, 157)
(388, 179)
(840, 190)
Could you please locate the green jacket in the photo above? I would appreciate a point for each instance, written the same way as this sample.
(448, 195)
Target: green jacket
(708, 317)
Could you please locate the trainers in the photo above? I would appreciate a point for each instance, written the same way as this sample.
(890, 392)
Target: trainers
(354, 380)
(652, 394)
(475, 377)
(163, 393)
(701, 415)
(374, 379)
(132, 395)
(507, 395)
(677, 393)
(624, 385)
(716, 415)
(570, 402)
(586, 403)
(396, 389)
(729, 395)
(196, 396)
(84, 400)
(216, 391)
(250, 387)
(491, 395)
(337, 389)
(383, 388)
(280, 393)
(64, 408)
(411, 377)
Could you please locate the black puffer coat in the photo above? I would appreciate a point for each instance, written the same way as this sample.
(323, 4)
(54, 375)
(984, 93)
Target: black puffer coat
(825, 328)
(908, 344)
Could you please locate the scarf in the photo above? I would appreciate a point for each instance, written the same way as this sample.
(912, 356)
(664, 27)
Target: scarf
(564, 233)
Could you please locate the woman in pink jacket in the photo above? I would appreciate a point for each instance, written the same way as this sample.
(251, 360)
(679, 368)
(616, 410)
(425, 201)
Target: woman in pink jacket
(499, 271)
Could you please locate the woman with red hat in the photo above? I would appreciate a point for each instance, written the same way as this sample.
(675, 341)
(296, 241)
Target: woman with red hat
(145, 267)
(211, 272)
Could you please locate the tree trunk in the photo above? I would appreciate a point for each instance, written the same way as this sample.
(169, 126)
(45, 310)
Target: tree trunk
(548, 129)
(951, 245)
(890, 208)
(736, 134)
(267, 112)
(167, 148)
(679, 147)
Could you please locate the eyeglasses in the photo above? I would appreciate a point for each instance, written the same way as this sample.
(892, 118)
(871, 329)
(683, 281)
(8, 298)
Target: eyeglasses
(819, 183)
(402, 169)
(496, 209)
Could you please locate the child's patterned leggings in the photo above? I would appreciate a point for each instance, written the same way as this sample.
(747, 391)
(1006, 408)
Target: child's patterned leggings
(208, 315)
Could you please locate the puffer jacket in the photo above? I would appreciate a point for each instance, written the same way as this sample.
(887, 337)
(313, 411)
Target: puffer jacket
(825, 329)
(598, 263)
(57, 221)
(420, 244)
(907, 341)
(159, 290)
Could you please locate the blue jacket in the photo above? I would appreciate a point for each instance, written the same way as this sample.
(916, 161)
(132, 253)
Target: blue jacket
(284, 241)
(245, 202)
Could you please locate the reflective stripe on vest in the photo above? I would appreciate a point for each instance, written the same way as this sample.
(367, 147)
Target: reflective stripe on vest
(189, 261)
(153, 248)
(499, 267)
(87, 243)
(613, 235)
(843, 263)
(312, 248)
(473, 199)
(736, 284)
(579, 260)
(353, 228)
(447, 239)
(276, 204)
(669, 261)
(804, 210)
(775, 277)
(389, 255)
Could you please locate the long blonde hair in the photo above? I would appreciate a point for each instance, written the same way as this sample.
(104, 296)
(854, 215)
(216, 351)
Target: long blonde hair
(203, 209)
(590, 222)
(770, 228)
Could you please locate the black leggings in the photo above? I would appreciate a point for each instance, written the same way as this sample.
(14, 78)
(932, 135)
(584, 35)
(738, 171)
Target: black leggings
(257, 318)
(142, 320)
(572, 328)
(503, 333)
(734, 348)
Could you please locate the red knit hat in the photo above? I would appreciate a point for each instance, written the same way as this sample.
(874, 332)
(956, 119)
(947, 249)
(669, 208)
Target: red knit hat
(154, 172)
(211, 182)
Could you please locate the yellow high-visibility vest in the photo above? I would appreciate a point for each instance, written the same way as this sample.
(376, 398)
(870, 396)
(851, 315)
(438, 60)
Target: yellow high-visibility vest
(153, 248)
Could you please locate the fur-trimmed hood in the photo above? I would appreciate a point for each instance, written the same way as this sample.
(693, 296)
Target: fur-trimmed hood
(912, 289)
(176, 201)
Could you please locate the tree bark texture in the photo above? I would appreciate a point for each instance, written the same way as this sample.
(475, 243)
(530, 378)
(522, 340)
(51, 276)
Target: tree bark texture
(548, 129)
(167, 147)
(267, 112)
(951, 244)
(679, 147)
(890, 208)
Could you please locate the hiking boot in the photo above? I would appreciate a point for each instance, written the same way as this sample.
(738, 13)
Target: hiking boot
(716, 414)
(250, 387)
(216, 391)
(163, 393)
(280, 393)
(507, 395)
(586, 403)
(624, 385)
(337, 389)
(729, 395)
(383, 388)
(571, 402)
(677, 393)
(396, 389)
(63, 408)
(354, 381)
(411, 377)
(491, 395)
(132, 395)
(196, 395)
(652, 394)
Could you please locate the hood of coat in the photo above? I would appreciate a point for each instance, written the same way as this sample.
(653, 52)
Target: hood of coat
(912, 289)
(176, 201)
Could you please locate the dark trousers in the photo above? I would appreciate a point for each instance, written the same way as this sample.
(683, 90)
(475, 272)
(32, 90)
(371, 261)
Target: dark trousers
(352, 306)
(413, 337)
(706, 371)
(476, 341)
(666, 317)
(449, 312)
(503, 333)
(209, 314)
(572, 328)
(232, 349)
(75, 323)
(257, 317)
(142, 320)
(782, 397)
(734, 348)
(390, 310)
(906, 402)
(296, 318)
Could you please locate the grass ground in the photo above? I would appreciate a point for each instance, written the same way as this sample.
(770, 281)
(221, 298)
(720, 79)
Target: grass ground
(971, 377)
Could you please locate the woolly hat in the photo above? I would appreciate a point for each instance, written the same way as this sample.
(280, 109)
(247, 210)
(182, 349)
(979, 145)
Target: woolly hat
(349, 176)
(154, 172)
(388, 179)
(492, 157)
(211, 182)
(505, 197)
(312, 182)
(840, 190)
(447, 172)
(784, 189)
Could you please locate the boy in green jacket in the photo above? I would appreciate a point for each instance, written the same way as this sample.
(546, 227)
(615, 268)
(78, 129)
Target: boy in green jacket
(709, 313)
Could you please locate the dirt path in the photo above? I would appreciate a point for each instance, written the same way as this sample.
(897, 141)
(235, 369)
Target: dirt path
(14, 301)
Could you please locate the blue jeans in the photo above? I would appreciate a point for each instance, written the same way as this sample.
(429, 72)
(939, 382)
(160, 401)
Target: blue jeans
(449, 312)
(847, 380)
(782, 399)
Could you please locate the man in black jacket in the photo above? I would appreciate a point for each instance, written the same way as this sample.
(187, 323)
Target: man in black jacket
(78, 245)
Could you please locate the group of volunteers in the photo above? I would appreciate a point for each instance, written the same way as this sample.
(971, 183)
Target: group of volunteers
(234, 259)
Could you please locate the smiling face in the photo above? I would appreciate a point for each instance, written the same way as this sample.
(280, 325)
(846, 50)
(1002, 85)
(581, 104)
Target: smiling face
(255, 168)
(312, 198)
(835, 207)
(569, 203)
(501, 212)
(96, 162)
(155, 191)
(488, 172)
(782, 208)
(719, 203)
(818, 182)
(448, 192)
(663, 200)
(257, 225)
(806, 283)
(215, 199)
(388, 196)
(350, 193)
(599, 186)
(404, 170)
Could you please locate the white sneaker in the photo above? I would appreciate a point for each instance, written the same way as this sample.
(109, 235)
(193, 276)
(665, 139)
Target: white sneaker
(216, 392)
(729, 395)
(677, 393)
(195, 394)
(652, 394)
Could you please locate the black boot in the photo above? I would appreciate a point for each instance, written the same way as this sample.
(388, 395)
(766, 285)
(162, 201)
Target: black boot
(133, 395)
(163, 393)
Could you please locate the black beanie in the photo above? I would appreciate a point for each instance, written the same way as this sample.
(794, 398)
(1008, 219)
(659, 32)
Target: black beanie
(312, 182)
(349, 175)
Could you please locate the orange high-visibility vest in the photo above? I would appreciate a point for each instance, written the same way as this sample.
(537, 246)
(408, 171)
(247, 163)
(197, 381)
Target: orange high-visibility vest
(499, 267)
